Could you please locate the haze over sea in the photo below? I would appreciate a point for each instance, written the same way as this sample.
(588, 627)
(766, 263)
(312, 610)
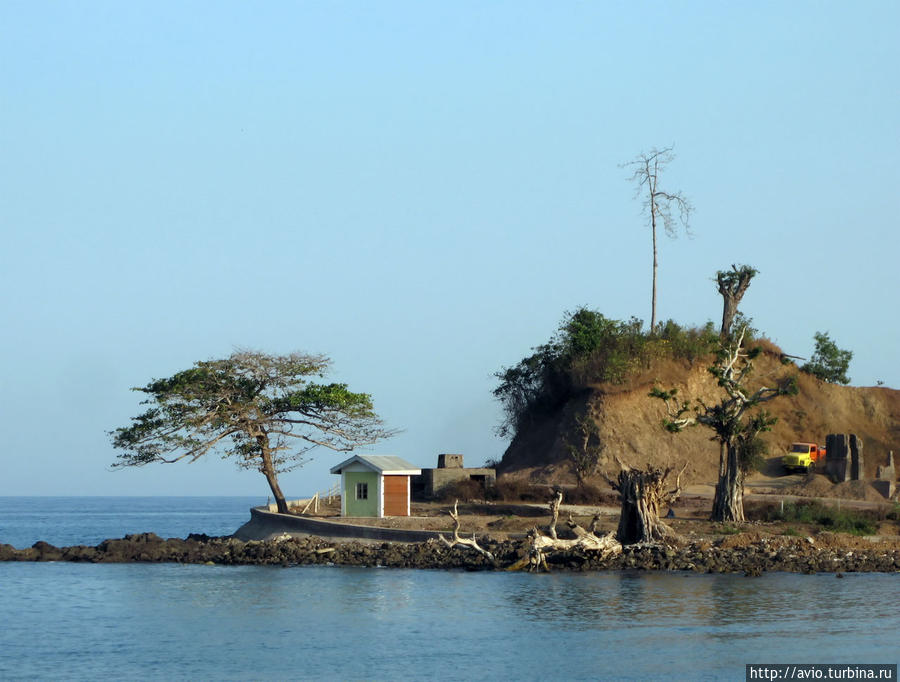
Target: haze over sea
(170, 621)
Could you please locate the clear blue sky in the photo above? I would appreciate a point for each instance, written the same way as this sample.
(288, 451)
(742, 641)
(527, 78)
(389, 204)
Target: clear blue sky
(418, 190)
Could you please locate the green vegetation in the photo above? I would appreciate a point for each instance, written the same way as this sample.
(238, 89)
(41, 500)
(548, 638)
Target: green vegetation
(589, 348)
(894, 513)
(260, 409)
(752, 453)
(734, 420)
(829, 363)
(831, 518)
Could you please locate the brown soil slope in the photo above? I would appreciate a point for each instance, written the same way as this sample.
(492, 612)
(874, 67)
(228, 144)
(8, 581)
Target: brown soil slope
(629, 422)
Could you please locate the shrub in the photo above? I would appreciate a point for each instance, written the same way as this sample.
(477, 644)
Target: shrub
(838, 520)
(464, 490)
(515, 490)
(829, 363)
(589, 348)
(688, 343)
(583, 493)
(752, 453)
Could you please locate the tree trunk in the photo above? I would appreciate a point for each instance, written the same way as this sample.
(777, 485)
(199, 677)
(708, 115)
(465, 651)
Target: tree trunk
(641, 493)
(653, 294)
(728, 504)
(268, 470)
(729, 310)
(732, 284)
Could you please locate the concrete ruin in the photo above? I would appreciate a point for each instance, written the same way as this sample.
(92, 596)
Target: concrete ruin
(837, 457)
(844, 457)
(844, 462)
(886, 478)
(857, 470)
(450, 470)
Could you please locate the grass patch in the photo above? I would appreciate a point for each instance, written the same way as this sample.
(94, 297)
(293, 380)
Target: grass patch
(893, 514)
(727, 529)
(837, 520)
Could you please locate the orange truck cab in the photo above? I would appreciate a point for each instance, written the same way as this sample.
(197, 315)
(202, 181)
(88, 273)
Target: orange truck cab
(803, 456)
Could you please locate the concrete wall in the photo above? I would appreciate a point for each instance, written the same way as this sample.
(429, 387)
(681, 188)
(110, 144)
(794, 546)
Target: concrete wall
(448, 461)
(436, 479)
(266, 525)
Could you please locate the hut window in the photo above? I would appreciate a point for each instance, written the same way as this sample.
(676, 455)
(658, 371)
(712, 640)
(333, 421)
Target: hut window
(362, 491)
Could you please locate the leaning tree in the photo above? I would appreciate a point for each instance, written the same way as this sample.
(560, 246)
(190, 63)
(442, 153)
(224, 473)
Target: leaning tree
(262, 410)
(658, 205)
(732, 419)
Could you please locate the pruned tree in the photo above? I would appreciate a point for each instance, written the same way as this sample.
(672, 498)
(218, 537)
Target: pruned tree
(660, 206)
(642, 492)
(731, 419)
(733, 285)
(260, 409)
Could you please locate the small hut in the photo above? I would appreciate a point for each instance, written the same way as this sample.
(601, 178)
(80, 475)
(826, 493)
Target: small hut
(375, 485)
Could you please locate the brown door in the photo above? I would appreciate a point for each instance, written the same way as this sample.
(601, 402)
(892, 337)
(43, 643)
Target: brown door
(396, 494)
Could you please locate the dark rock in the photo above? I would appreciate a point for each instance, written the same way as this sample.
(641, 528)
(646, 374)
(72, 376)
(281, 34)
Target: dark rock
(751, 559)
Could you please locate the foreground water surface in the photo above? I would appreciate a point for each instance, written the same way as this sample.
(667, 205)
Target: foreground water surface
(79, 621)
(168, 621)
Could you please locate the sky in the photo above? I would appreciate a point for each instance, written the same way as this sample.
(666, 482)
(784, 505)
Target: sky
(419, 191)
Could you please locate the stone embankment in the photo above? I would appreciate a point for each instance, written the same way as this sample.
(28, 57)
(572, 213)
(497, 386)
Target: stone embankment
(733, 554)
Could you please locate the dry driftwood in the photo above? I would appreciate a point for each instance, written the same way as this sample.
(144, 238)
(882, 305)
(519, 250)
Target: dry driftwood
(541, 545)
(473, 543)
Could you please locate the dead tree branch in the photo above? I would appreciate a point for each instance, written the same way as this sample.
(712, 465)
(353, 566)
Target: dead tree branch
(542, 545)
(554, 512)
(457, 540)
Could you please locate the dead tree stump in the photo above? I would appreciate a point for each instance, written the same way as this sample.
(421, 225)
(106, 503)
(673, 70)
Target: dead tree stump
(642, 492)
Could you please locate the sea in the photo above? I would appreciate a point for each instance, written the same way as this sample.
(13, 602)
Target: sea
(74, 621)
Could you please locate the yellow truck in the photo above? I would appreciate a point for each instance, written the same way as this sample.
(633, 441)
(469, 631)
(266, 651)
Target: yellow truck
(803, 456)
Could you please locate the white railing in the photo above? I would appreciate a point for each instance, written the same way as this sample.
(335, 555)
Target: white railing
(328, 495)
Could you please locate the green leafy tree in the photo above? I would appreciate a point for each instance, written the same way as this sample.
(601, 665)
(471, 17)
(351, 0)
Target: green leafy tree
(735, 425)
(262, 410)
(829, 363)
(587, 346)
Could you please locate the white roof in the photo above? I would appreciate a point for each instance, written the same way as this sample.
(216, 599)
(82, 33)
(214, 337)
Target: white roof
(383, 464)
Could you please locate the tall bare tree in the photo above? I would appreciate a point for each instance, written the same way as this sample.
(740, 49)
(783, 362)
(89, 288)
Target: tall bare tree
(733, 285)
(659, 205)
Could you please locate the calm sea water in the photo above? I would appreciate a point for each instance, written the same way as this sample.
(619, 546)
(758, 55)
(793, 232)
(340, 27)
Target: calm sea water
(64, 521)
(77, 621)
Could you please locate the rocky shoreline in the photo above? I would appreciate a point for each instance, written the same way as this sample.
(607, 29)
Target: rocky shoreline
(749, 554)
